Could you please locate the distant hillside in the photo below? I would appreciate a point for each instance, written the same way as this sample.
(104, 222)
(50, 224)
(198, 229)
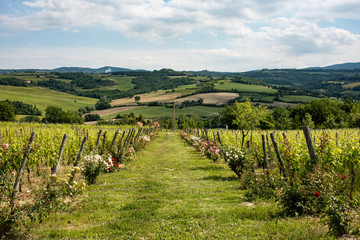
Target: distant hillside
(341, 66)
(90, 70)
(106, 69)
(348, 66)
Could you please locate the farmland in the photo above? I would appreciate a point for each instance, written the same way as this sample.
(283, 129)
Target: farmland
(244, 88)
(218, 98)
(43, 97)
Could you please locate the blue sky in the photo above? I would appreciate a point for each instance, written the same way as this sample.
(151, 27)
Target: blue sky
(222, 35)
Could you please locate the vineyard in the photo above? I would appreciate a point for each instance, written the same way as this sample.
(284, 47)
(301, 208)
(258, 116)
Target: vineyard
(46, 170)
(306, 173)
(39, 165)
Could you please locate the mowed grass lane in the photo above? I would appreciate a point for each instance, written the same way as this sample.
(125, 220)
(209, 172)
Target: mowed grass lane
(171, 192)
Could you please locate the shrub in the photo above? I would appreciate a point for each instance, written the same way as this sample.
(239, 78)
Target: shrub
(236, 159)
(93, 165)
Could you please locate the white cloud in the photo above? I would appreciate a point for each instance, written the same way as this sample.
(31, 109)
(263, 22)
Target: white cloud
(287, 29)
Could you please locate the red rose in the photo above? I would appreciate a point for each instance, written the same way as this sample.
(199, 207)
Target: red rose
(317, 194)
(344, 177)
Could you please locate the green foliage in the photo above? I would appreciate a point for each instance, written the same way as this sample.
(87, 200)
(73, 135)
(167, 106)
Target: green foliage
(338, 217)
(152, 81)
(85, 81)
(92, 117)
(13, 81)
(24, 108)
(84, 110)
(103, 104)
(7, 112)
(58, 115)
(244, 116)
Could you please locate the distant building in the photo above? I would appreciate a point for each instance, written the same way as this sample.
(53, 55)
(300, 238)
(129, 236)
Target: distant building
(108, 70)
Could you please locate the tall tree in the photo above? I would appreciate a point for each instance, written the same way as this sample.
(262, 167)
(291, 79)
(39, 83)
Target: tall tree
(244, 116)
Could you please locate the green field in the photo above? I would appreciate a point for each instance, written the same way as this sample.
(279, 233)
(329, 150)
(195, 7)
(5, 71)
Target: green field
(42, 97)
(298, 99)
(186, 87)
(121, 83)
(228, 86)
(160, 111)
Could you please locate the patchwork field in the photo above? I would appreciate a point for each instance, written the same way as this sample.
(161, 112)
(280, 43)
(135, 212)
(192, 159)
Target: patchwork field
(160, 111)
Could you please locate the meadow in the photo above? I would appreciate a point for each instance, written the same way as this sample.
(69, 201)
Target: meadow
(42, 97)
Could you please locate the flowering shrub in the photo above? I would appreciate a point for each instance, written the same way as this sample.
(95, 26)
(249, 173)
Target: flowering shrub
(141, 143)
(207, 148)
(236, 159)
(93, 165)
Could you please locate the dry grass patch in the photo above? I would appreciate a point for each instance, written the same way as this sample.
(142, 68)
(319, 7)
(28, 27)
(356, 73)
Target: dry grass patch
(160, 96)
(110, 111)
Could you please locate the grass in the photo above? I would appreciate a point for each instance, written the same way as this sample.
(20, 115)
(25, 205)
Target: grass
(121, 83)
(160, 111)
(244, 88)
(295, 98)
(171, 192)
(42, 97)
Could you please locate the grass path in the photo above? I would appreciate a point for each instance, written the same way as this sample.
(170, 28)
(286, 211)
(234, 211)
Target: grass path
(172, 192)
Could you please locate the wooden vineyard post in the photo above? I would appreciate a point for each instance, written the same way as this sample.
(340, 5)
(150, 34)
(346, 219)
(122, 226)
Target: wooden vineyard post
(266, 165)
(310, 145)
(55, 168)
(218, 134)
(78, 158)
(98, 140)
(282, 167)
(122, 137)
(104, 141)
(138, 135)
(352, 182)
(214, 137)
(206, 134)
(248, 144)
(21, 170)
(268, 146)
(80, 152)
(114, 139)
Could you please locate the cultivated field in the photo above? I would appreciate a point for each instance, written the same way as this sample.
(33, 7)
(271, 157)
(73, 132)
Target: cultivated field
(112, 111)
(244, 88)
(218, 98)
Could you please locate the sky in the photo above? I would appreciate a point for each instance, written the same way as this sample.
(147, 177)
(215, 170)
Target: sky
(214, 35)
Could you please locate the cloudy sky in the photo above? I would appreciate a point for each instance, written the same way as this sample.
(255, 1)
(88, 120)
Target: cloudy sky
(219, 35)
